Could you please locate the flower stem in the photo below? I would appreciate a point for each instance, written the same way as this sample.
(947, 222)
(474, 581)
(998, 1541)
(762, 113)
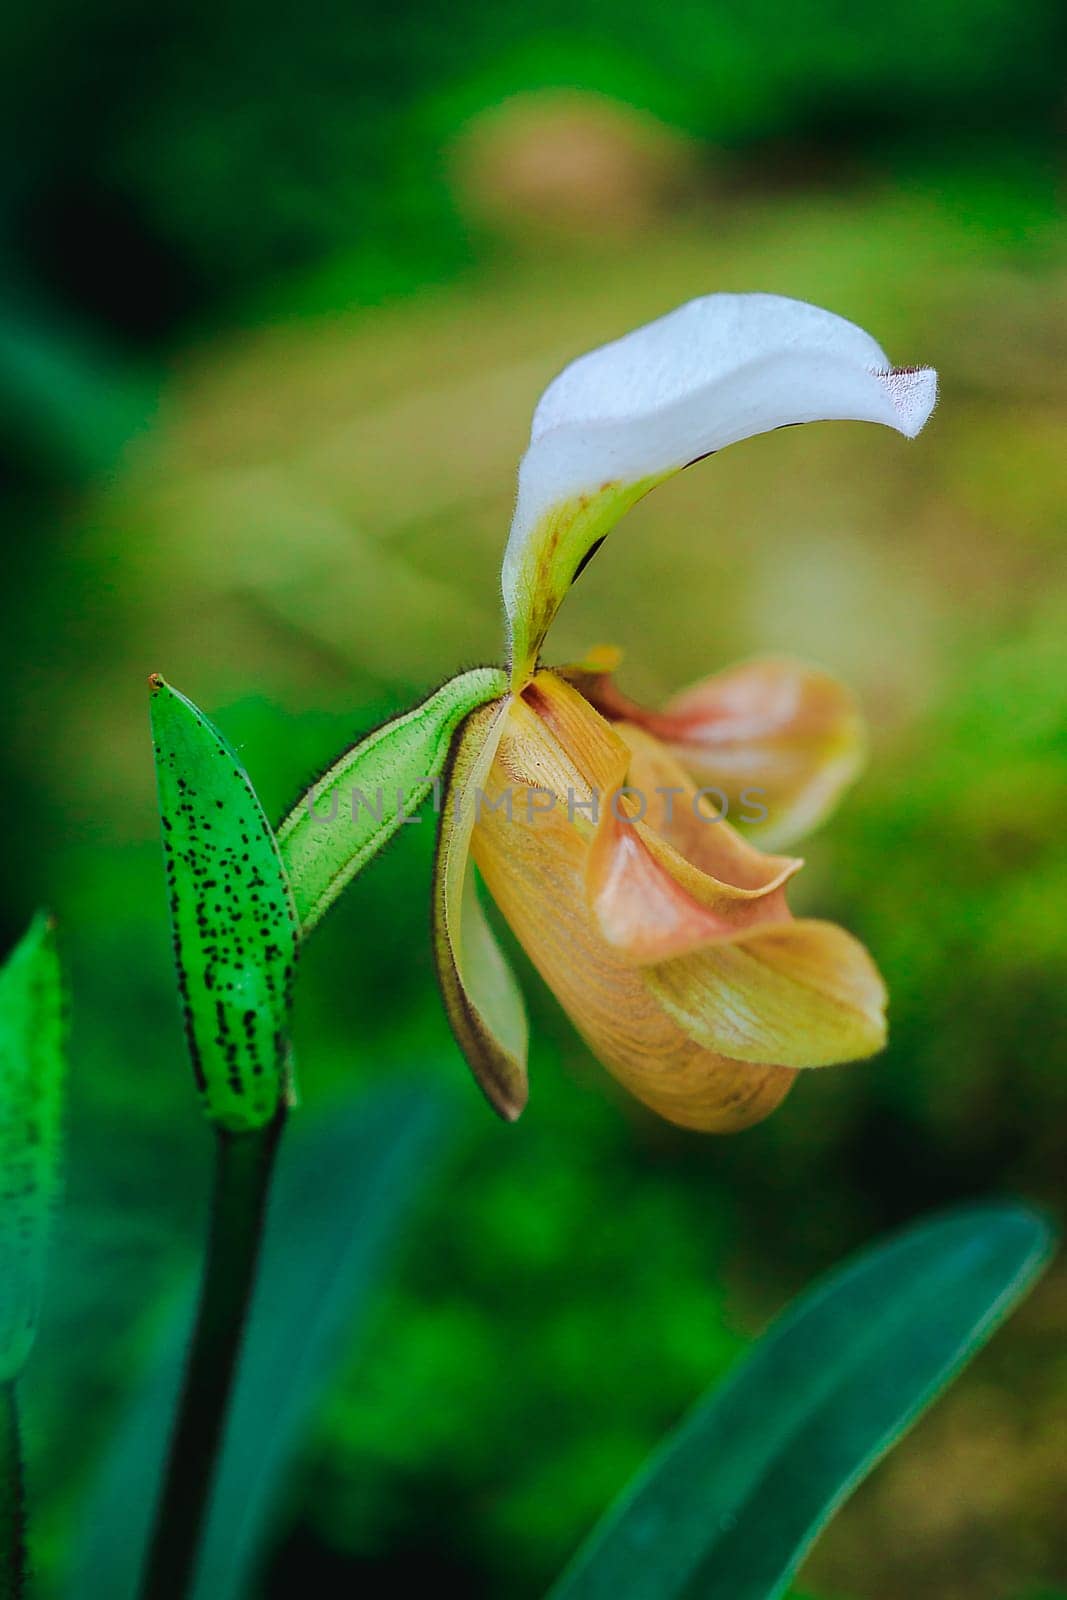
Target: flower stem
(12, 1509)
(244, 1165)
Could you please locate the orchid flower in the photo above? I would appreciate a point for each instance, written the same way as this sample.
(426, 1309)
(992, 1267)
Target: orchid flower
(665, 934)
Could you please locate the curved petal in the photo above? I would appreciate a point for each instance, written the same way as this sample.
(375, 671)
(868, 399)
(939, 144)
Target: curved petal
(533, 863)
(651, 904)
(779, 739)
(689, 821)
(481, 997)
(598, 751)
(806, 993)
(681, 880)
(561, 750)
(618, 421)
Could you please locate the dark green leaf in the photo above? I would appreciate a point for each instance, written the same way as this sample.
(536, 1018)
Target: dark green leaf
(341, 1191)
(732, 1501)
(31, 1097)
(67, 398)
(357, 806)
(235, 929)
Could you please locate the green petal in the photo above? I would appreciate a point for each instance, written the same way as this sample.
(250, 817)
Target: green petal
(31, 1092)
(235, 927)
(355, 808)
(547, 565)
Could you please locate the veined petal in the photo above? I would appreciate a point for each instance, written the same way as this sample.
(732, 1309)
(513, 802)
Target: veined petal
(556, 753)
(779, 739)
(481, 996)
(686, 820)
(651, 904)
(585, 755)
(621, 419)
(806, 993)
(681, 880)
(533, 862)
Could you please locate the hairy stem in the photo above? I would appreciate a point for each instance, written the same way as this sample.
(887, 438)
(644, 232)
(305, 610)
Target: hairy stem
(244, 1165)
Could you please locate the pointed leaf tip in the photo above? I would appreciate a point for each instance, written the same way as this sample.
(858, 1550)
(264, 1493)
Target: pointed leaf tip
(734, 1498)
(232, 915)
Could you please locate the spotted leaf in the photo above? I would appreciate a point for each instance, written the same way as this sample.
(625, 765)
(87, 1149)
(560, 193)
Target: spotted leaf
(232, 914)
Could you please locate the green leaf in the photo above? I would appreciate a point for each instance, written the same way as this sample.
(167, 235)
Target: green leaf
(66, 397)
(235, 928)
(341, 1191)
(359, 803)
(31, 1097)
(732, 1501)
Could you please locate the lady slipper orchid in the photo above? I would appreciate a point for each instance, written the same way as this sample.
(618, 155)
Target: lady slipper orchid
(664, 933)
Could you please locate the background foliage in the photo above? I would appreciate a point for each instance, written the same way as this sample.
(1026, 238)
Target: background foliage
(278, 291)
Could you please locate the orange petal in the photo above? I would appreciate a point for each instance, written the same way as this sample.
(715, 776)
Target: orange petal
(481, 997)
(534, 865)
(780, 739)
(691, 823)
(585, 754)
(662, 887)
(806, 993)
(651, 904)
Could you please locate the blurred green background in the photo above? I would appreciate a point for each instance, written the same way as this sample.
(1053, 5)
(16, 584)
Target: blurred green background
(279, 288)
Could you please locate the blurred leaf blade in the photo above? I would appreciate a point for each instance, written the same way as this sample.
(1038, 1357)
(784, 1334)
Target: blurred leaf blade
(341, 1194)
(65, 397)
(235, 930)
(32, 1072)
(732, 1501)
(363, 799)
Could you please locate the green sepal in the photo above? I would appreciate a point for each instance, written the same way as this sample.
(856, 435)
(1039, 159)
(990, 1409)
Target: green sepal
(31, 1096)
(540, 575)
(232, 914)
(358, 804)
